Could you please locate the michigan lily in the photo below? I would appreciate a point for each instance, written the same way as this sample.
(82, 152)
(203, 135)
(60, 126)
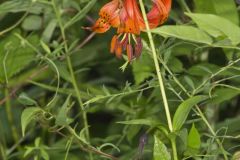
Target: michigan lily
(126, 16)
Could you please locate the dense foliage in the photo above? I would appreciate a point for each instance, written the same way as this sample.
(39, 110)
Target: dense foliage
(64, 96)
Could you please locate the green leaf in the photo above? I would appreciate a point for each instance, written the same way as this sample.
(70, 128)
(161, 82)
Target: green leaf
(133, 131)
(49, 30)
(160, 151)
(28, 151)
(45, 47)
(224, 8)
(217, 26)
(28, 115)
(94, 99)
(194, 140)
(187, 33)
(82, 135)
(231, 123)
(189, 81)
(182, 140)
(175, 65)
(20, 6)
(44, 154)
(223, 94)
(200, 6)
(26, 100)
(15, 55)
(227, 9)
(32, 23)
(148, 122)
(203, 69)
(63, 71)
(183, 110)
(143, 68)
(81, 14)
(62, 118)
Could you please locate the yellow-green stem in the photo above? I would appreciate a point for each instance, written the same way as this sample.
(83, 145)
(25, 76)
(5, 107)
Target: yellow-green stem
(10, 116)
(73, 78)
(157, 67)
(160, 79)
(174, 148)
(197, 107)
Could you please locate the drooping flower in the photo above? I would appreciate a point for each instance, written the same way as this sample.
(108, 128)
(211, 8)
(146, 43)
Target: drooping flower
(126, 16)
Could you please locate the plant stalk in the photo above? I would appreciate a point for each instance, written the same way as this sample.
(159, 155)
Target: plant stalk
(201, 114)
(73, 78)
(174, 148)
(160, 79)
(10, 117)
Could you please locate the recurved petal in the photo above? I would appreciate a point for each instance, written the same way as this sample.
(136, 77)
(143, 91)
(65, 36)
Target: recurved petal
(110, 12)
(159, 12)
(101, 26)
(115, 20)
(109, 8)
(129, 17)
(113, 44)
(109, 16)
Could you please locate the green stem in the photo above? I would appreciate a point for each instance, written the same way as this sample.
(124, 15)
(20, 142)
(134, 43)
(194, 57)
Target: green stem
(73, 78)
(212, 131)
(3, 147)
(215, 74)
(85, 146)
(197, 107)
(174, 148)
(2, 153)
(10, 117)
(160, 80)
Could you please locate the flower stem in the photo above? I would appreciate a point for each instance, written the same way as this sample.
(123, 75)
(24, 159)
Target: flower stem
(160, 79)
(174, 148)
(73, 78)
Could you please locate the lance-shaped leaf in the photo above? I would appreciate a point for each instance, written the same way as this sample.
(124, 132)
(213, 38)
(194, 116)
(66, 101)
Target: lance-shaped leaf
(183, 110)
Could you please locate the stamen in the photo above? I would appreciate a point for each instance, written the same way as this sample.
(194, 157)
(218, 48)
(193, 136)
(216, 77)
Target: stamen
(119, 35)
(129, 52)
(129, 39)
(125, 42)
(124, 36)
(138, 47)
(134, 38)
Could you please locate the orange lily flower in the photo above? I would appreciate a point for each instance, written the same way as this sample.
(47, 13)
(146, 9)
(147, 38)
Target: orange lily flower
(126, 16)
